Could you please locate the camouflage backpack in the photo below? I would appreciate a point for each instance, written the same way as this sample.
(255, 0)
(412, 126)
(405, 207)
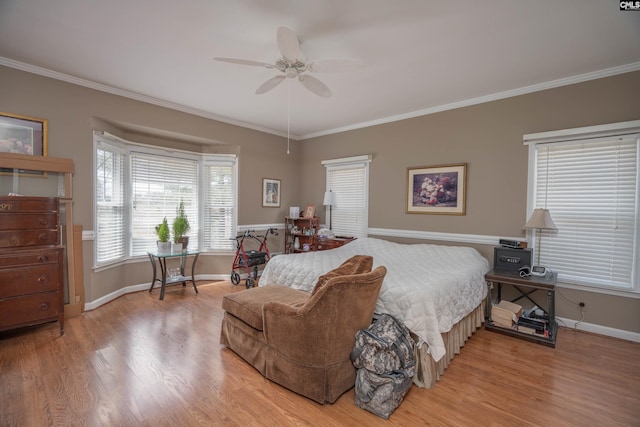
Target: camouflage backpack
(383, 354)
(384, 347)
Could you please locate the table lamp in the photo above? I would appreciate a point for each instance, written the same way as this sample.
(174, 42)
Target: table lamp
(329, 200)
(540, 220)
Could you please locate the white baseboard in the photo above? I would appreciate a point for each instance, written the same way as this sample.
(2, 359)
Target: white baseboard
(142, 287)
(599, 329)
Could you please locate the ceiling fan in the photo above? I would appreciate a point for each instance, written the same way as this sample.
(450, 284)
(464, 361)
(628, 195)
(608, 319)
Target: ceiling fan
(291, 65)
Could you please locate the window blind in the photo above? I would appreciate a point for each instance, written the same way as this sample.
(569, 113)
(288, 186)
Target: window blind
(220, 206)
(349, 181)
(591, 190)
(159, 183)
(110, 204)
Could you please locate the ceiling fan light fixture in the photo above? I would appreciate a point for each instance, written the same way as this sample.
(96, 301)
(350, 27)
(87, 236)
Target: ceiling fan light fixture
(291, 72)
(291, 66)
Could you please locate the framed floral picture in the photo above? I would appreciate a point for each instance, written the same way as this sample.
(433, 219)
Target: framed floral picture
(437, 189)
(271, 193)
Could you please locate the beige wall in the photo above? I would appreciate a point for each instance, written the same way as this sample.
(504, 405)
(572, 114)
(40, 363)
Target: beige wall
(74, 112)
(488, 137)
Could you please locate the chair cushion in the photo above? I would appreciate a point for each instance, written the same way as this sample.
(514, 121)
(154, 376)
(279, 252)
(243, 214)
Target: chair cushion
(247, 305)
(357, 264)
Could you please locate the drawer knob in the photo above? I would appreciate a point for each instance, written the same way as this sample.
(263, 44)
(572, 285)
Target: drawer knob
(43, 258)
(44, 306)
(43, 279)
(42, 221)
(43, 237)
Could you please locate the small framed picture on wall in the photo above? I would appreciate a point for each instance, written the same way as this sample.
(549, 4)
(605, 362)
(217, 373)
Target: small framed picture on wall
(271, 193)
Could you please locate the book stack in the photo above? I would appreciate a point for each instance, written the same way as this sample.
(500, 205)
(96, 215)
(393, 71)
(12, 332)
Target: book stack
(505, 314)
(533, 326)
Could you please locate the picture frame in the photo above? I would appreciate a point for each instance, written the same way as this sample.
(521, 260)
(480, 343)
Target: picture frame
(23, 135)
(439, 190)
(310, 211)
(271, 190)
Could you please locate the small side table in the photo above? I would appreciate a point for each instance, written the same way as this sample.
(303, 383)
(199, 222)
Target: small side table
(526, 286)
(162, 261)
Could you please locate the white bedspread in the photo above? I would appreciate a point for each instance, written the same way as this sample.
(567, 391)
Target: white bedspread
(428, 287)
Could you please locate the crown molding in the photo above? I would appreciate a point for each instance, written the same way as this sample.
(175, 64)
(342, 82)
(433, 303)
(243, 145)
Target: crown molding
(488, 98)
(136, 96)
(409, 115)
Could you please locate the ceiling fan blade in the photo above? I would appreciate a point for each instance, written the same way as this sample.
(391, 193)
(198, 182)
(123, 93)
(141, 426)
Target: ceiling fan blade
(245, 62)
(334, 65)
(288, 43)
(315, 86)
(269, 84)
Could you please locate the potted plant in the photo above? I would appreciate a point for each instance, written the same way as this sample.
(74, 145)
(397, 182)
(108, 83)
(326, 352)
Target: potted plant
(163, 232)
(181, 226)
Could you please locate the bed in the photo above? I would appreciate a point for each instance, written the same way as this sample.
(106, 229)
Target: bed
(438, 291)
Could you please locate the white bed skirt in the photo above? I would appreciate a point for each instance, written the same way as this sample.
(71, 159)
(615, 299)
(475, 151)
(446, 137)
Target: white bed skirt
(429, 371)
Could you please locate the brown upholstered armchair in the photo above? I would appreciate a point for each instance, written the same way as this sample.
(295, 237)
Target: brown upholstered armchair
(303, 341)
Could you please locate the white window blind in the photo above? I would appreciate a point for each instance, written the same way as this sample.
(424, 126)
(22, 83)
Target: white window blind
(110, 204)
(590, 187)
(159, 184)
(220, 206)
(348, 179)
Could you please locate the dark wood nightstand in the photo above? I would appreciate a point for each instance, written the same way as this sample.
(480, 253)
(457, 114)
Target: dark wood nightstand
(526, 286)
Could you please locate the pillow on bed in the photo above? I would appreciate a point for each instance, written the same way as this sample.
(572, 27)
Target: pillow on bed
(357, 264)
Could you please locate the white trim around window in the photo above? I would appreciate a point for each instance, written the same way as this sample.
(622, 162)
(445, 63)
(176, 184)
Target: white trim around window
(588, 178)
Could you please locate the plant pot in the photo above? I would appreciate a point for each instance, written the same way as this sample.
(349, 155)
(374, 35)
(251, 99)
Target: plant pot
(164, 247)
(176, 248)
(184, 240)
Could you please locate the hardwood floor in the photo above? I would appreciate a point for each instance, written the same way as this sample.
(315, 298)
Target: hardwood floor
(141, 361)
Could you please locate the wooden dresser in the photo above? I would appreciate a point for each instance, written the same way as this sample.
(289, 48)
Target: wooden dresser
(31, 262)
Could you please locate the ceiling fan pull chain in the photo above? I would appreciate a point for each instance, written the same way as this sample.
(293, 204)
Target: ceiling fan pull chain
(288, 112)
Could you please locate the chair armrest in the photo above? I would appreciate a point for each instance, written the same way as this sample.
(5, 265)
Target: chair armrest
(295, 332)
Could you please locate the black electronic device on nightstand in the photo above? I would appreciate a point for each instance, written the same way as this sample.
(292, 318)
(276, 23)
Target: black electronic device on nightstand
(510, 258)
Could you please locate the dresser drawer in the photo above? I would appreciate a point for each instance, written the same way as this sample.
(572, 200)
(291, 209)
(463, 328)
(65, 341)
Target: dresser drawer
(22, 281)
(30, 204)
(10, 239)
(25, 221)
(29, 310)
(26, 257)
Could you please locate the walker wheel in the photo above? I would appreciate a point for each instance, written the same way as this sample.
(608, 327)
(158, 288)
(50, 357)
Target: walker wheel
(250, 282)
(235, 277)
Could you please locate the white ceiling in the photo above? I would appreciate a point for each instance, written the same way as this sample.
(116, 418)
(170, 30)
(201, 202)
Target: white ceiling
(420, 56)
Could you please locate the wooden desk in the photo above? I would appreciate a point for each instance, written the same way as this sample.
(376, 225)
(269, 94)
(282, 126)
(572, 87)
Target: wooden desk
(326, 243)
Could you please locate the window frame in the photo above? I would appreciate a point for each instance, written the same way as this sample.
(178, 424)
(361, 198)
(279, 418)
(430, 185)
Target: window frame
(362, 161)
(587, 134)
(128, 148)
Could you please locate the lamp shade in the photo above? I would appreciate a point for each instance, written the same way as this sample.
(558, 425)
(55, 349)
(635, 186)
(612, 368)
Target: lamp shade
(541, 219)
(329, 198)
